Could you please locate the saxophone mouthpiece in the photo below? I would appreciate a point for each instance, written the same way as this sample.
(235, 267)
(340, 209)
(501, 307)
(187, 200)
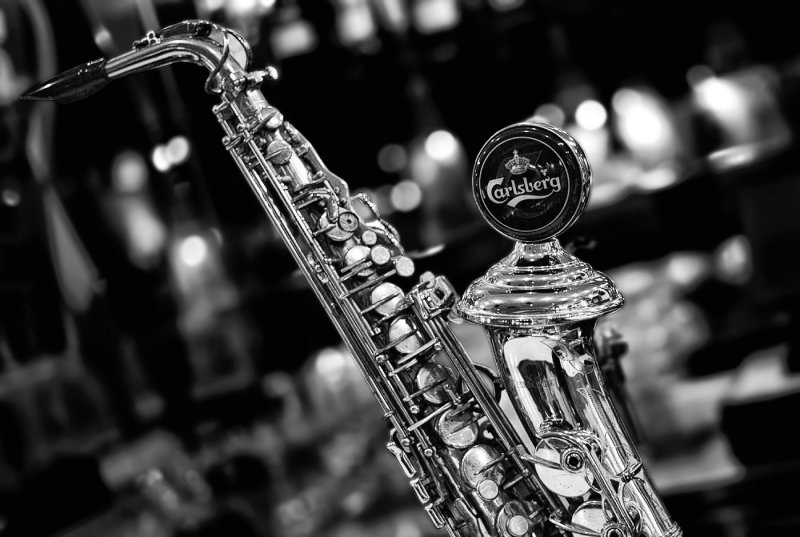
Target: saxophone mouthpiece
(71, 85)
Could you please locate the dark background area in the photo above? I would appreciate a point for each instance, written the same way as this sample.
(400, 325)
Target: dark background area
(163, 369)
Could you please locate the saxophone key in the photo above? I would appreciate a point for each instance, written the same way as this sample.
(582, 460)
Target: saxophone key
(402, 459)
(432, 416)
(436, 516)
(355, 259)
(433, 381)
(419, 489)
(403, 336)
(384, 299)
(274, 121)
(333, 228)
(432, 344)
(348, 221)
(404, 367)
(278, 152)
(568, 481)
(480, 468)
(422, 391)
(268, 117)
(457, 429)
(497, 461)
(356, 262)
(518, 525)
(590, 518)
(404, 266)
(488, 489)
(368, 284)
(392, 315)
(369, 237)
(380, 255)
(360, 269)
(514, 520)
(229, 142)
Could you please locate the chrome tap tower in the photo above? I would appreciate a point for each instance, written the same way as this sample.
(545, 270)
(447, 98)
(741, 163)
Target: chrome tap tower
(539, 306)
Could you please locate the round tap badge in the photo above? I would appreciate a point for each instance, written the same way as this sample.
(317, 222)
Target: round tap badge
(531, 181)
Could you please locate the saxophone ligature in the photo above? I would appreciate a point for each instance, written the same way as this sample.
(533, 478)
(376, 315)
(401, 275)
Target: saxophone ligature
(572, 469)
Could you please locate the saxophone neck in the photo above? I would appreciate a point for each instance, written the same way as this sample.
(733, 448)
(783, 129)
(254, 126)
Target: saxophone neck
(222, 51)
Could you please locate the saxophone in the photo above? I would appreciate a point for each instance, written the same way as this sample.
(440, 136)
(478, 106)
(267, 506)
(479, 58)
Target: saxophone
(572, 468)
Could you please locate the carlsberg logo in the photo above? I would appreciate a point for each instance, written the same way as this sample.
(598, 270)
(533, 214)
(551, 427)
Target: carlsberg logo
(521, 189)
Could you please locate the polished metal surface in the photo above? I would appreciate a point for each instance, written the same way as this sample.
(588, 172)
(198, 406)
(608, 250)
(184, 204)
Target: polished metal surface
(465, 461)
(539, 284)
(539, 306)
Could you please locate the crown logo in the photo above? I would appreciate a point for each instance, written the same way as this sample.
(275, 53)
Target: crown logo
(517, 165)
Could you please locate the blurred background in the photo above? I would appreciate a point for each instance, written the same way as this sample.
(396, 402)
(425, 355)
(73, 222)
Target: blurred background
(164, 371)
